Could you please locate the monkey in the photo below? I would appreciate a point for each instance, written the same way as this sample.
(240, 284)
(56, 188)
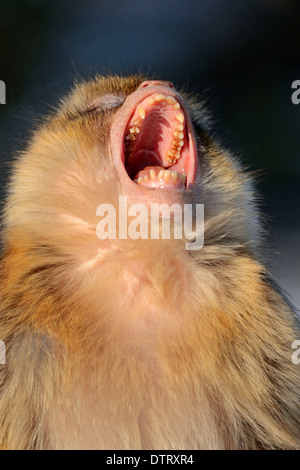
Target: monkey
(122, 343)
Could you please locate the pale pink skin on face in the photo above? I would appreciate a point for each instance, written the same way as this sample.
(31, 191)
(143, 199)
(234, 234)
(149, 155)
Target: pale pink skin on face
(161, 120)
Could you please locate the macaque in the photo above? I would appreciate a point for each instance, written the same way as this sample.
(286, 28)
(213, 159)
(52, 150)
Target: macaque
(139, 343)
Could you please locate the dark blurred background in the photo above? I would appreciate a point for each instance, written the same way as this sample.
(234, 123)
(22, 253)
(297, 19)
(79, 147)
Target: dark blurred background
(240, 55)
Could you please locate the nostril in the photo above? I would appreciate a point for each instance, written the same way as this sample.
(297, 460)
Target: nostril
(156, 82)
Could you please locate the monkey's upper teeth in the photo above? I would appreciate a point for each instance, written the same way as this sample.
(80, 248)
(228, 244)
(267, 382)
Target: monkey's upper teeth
(180, 117)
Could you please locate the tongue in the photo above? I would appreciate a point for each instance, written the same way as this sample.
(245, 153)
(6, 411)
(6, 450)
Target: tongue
(141, 159)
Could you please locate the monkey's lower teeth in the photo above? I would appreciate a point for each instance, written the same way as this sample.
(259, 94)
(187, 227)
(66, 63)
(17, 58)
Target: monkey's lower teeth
(156, 177)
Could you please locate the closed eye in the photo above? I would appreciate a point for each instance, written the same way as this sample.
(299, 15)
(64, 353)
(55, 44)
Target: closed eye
(104, 103)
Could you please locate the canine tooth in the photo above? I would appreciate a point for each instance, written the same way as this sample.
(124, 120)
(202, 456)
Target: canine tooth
(146, 178)
(180, 118)
(142, 113)
(140, 179)
(160, 174)
(180, 127)
(167, 175)
(152, 175)
(176, 106)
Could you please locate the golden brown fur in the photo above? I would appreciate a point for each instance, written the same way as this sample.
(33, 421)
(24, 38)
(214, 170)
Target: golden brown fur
(120, 349)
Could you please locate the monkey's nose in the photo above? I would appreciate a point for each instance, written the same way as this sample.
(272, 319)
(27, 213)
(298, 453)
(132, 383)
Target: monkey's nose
(156, 82)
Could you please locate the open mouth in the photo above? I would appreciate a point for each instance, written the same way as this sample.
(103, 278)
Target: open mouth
(158, 144)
